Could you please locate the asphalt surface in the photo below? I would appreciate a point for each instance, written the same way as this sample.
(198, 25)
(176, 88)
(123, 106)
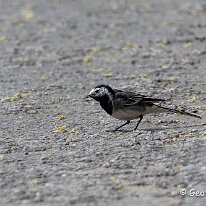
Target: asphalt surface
(54, 147)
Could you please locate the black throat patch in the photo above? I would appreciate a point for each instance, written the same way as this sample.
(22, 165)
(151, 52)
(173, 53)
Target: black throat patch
(107, 106)
(105, 103)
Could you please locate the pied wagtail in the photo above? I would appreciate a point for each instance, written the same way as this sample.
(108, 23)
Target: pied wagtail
(127, 106)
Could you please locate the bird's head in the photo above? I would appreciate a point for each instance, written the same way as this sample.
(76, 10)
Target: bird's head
(102, 92)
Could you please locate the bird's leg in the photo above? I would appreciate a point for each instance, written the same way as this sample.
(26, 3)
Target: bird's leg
(140, 119)
(127, 122)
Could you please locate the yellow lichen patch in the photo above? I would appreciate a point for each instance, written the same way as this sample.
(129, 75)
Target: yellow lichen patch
(44, 78)
(101, 132)
(192, 99)
(189, 135)
(165, 66)
(129, 45)
(59, 129)
(204, 134)
(188, 45)
(170, 140)
(34, 181)
(1, 157)
(97, 70)
(181, 185)
(88, 59)
(68, 141)
(172, 132)
(119, 186)
(54, 86)
(3, 39)
(27, 12)
(74, 131)
(16, 97)
(178, 168)
(60, 117)
(145, 75)
(108, 74)
(174, 139)
(199, 84)
(163, 44)
(95, 50)
(173, 79)
(21, 60)
(203, 106)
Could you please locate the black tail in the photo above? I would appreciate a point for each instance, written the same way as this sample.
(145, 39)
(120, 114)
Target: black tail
(178, 111)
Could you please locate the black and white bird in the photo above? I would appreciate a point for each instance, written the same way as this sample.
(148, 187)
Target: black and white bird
(124, 105)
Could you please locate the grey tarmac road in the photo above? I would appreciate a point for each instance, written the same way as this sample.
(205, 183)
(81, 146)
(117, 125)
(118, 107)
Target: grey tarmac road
(54, 147)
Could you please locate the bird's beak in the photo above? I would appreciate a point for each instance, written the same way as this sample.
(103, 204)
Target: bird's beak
(87, 96)
(91, 94)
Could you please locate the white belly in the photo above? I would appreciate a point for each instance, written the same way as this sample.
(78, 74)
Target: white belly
(135, 112)
(126, 115)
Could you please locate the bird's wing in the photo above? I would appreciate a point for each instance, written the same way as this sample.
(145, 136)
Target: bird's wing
(131, 98)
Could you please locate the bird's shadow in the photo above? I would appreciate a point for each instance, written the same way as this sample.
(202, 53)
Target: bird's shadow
(159, 128)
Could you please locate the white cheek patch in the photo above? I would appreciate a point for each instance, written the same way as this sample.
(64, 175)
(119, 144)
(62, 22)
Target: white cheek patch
(108, 93)
(99, 92)
(102, 91)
